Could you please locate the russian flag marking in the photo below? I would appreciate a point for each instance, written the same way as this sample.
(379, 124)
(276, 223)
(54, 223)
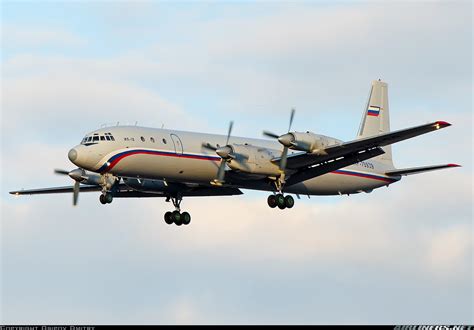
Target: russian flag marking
(373, 111)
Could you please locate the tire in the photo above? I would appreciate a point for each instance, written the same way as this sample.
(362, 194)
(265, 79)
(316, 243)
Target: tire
(168, 218)
(108, 198)
(289, 201)
(102, 199)
(186, 218)
(177, 219)
(280, 201)
(272, 201)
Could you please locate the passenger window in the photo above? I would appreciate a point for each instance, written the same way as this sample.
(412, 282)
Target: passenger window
(102, 138)
(142, 138)
(152, 140)
(164, 140)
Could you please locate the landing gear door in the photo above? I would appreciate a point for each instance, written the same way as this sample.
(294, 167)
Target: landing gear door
(178, 145)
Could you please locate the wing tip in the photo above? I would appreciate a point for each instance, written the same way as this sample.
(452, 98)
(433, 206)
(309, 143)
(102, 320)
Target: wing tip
(442, 124)
(454, 165)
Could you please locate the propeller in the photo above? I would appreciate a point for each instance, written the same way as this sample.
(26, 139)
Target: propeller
(225, 152)
(77, 175)
(287, 140)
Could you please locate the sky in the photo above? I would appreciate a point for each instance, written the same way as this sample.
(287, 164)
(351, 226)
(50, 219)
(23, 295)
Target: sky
(400, 255)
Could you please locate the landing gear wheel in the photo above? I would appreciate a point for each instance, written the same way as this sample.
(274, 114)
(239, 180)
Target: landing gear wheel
(102, 199)
(280, 199)
(108, 198)
(169, 218)
(289, 201)
(272, 201)
(177, 219)
(186, 218)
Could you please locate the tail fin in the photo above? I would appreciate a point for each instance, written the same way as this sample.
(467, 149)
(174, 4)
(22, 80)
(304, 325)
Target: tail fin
(376, 119)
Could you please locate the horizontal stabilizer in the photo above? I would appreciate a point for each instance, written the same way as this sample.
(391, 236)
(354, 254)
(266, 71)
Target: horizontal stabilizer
(416, 170)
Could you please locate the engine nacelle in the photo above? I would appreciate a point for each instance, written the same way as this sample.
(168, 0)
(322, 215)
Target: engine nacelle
(304, 141)
(95, 179)
(253, 160)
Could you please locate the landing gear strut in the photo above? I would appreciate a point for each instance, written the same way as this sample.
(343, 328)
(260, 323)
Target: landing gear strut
(176, 216)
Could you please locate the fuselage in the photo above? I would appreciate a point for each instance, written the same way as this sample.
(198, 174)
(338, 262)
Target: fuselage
(178, 156)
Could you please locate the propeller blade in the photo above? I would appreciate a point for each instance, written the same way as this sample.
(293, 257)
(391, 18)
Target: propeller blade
(221, 172)
(284, 155)
(62, 172)
(231, 124)
(75, 194)
(271, 135)
(291, 118)
(209, 146)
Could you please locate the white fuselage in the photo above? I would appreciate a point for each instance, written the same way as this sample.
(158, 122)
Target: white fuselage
(178, 156)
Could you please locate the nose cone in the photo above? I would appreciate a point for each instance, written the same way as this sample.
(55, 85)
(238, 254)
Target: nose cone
(79, 157)
(224, 152)
(286, 139)
(72, 155)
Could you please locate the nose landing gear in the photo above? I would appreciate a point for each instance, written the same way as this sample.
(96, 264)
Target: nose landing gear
(176, 216)
(106, 198)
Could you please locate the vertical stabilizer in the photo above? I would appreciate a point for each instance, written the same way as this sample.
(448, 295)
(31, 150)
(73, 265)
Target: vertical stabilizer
(376, 119)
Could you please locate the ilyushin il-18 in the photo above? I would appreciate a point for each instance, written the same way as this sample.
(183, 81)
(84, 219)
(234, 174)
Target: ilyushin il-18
(133, 161)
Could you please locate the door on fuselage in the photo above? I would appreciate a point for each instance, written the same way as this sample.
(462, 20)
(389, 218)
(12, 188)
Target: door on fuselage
(178, 145)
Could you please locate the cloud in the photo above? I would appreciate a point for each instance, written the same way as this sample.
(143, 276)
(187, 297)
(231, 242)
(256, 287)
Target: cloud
(38, 102)
(21, 36)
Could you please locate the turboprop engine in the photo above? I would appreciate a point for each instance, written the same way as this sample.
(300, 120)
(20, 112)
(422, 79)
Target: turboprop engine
(80, 175)
(304, 141)
(251, 159)
(91, 178)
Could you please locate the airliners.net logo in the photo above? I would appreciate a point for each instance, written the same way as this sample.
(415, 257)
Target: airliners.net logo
(434, 327)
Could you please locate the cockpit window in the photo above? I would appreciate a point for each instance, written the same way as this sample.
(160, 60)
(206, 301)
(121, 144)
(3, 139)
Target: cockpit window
(96, 138)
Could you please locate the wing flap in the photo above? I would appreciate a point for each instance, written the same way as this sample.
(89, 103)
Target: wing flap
(330, 166)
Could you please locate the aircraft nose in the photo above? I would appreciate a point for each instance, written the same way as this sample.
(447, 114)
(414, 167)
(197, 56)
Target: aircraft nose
(79, 156)
(72, 155)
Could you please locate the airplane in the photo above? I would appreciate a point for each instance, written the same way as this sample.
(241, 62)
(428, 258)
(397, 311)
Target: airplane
(133, 161)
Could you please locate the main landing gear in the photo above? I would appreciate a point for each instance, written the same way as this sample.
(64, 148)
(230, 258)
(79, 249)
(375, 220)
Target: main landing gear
(176, 216)
(281, 201)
